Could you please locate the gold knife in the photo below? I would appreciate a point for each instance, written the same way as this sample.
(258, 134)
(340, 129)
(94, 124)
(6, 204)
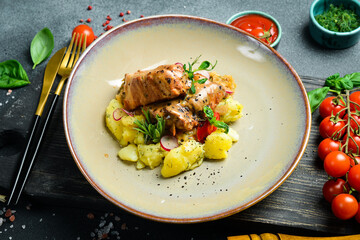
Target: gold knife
(49, 77)
(32, 145)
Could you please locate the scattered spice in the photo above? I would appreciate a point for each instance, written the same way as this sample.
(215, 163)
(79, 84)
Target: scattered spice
(12, 218)
(108, 18)
(141, 16)
(89, 7)
(128, 12)
(121, 14)
(90, 216)
(107, 22)
(88, 20)
(81, 20)
(8, 213)
(124, 20)
(108, 27)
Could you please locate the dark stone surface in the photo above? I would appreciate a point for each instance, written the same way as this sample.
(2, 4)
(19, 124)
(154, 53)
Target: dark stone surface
(60, 195)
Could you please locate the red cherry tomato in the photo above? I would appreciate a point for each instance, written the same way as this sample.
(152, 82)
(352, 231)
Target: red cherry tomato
(85, 29)
(357, 216)
(337, 164)
(333, 188)
(344, 206)
(326, 146)
(332, 105)
(206, 129)
(355, 120)
(354, 143)
(355, 97)
(332, 127)
(354, 177)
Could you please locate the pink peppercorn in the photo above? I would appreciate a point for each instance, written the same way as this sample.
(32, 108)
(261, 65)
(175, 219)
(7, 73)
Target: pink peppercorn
(88, 20)
(89, 7)
(108, 18)
(107, 22)
(124, 20)
(141, 16)
(128, 12)
(81, 20)
(121, 14)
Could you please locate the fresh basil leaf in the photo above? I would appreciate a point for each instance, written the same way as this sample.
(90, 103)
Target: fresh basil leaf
(223, 125)
(12, 75)
(316, 97)
(209, 113)
(346, 84)
(41, 46)
(355, 78)
(204, 65)
(192, 88)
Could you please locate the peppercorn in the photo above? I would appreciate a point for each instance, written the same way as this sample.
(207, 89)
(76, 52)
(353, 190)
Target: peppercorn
(89, 7)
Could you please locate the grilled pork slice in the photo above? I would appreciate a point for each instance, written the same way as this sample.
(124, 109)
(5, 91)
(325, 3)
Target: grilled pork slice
(145, 87)
(176, 114)
(208, 94)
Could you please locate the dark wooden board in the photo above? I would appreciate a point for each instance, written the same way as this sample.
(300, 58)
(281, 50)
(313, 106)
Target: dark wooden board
(296, 203)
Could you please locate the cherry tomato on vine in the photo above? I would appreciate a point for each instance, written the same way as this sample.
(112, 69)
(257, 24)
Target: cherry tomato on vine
(353, 143)
(332, 105)
(326, 146)
(332, 127)
(344, 206)
(357, 216)
(354, 177)
(337, 164)
(355, 97)
(333, 188)
(355, 120)
(87, 30)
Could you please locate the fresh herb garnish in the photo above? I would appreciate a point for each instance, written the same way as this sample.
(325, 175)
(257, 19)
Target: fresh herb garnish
(212, 120)
(12, 75)
(152, 131)
(41, 46)
(338, 19)
(336, 84)
(205, 65)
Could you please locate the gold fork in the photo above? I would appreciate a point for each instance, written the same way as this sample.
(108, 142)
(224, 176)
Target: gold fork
(64, 71)
(68, 62)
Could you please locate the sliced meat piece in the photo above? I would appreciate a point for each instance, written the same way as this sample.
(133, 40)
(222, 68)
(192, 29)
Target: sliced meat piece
(175, 114)
(209, 94)
(145, 87)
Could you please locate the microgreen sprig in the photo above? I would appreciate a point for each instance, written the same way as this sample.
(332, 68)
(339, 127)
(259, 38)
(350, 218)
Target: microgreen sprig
(205, 65)
(212, 120)
(152, 131)
(2, 198)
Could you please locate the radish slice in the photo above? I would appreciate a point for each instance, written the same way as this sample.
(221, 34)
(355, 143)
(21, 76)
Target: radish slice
(229, 92)
(128, 113)
(203, 73)
(169, 142)
(180, 64)
(117, 114)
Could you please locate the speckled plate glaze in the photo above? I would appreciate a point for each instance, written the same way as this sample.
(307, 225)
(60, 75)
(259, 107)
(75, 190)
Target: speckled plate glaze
(274, 129)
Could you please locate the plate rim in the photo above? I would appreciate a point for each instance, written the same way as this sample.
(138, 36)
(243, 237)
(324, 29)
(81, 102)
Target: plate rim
(223, 213)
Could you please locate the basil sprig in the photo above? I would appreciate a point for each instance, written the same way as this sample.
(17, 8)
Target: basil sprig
(205, 65)
(334, 83)
(41, 46)
(12, 75)
(212, 120)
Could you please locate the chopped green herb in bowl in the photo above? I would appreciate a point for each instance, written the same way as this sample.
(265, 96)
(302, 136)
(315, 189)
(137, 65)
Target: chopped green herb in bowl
(335, 23)
(339, 19)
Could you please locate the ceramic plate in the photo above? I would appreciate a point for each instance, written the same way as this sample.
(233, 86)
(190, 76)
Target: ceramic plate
(274, 129)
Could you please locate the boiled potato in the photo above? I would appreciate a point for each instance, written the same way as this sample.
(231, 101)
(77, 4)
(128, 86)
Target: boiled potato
(217, 144)
(229, 110)
(183, 158)
(123, 129)
(233, 135)
(129, 153)
(151, 155)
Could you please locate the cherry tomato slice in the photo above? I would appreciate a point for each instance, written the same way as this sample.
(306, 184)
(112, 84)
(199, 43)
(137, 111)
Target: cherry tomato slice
(206, 129)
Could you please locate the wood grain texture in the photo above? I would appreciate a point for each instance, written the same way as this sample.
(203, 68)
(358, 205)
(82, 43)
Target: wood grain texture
(296, 203)
(270, 236)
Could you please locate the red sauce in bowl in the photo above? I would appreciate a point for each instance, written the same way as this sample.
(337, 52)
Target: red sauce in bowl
(259, 26)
